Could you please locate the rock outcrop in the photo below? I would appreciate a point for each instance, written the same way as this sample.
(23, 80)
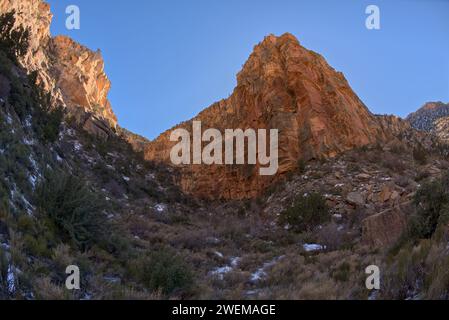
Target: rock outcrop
(384, 228)
(433, 117)
(73, 74)
(286, 87)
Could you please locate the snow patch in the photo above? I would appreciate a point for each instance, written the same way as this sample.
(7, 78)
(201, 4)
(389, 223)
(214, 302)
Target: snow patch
(261, 272)
(8, 119)
(312, 247)
(77, 146)
(221, 271)
(11, 280)
(28, 121)
(32, 179)
(235, 261)
(28, 142)
(160, 208)
(33, 163)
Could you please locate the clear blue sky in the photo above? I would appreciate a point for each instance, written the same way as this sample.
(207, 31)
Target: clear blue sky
(169, 59)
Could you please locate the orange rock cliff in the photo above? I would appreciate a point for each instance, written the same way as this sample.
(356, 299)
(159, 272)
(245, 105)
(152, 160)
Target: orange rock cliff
(286, 87)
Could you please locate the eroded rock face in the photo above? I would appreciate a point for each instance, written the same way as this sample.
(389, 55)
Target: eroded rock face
(286, 87)
(73, 74)
(79, 73)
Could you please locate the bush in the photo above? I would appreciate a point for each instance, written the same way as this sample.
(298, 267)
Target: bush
(73, 209)
(307, 212)
(342, 273)
(163, 271)
(46, 120)
(420, 155)
(393, 162)
(432, 208)
(49, 125)
(301, 166)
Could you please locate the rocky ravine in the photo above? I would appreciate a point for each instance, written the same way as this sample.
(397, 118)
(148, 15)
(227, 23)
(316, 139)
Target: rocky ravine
(286, 87)
(369, 190)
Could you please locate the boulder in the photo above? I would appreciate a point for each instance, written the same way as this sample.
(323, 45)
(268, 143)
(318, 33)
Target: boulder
(356, 198)
(384, 228)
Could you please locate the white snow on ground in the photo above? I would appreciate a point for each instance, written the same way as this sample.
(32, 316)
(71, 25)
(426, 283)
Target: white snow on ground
(8, 119)
(312, 247)
(58, 158)
(33, 163)
(219, 254)
(28, 121)
(32, 179)
(221, 271)
(261, 272)
(28, 142)
(235, 261)
(160, 208)
(126, 178)
(11, 280)
(29, 207)
(77, 145)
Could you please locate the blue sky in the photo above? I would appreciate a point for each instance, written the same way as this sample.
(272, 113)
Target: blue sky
(169, 59)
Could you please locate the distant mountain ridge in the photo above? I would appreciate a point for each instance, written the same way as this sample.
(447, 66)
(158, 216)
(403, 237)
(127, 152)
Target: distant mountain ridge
(425, 117)
(433, 117)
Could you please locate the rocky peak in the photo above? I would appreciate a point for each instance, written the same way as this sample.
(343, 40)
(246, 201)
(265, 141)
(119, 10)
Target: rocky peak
(424, 118)
(286, 87)
(79, 73)
(72, 73)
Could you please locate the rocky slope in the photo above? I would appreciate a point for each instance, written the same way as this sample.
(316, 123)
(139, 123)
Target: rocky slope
(73, 74)
(432, 117)
(286, 87)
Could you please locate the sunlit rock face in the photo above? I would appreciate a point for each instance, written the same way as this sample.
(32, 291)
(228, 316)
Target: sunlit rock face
(286, 87)
(72, 73)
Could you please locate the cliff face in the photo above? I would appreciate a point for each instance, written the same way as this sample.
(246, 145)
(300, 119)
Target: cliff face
(73, 74)
(79, 74)
(286, 87)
